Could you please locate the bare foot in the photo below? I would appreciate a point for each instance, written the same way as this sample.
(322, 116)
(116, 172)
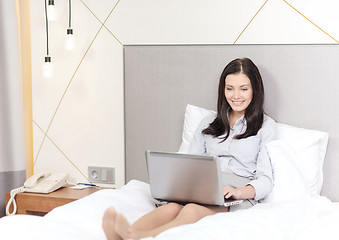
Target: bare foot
(123, 228)
(108, 224)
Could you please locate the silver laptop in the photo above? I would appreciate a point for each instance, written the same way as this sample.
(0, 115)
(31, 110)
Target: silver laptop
(185, 178)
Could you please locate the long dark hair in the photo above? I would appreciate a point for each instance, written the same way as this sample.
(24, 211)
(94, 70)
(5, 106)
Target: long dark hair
(254, 113)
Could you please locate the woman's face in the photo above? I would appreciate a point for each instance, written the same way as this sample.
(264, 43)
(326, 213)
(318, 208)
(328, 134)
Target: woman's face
(238, 92)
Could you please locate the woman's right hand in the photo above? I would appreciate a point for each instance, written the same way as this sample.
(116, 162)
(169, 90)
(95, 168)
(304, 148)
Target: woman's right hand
(230, 192)
(247, 192)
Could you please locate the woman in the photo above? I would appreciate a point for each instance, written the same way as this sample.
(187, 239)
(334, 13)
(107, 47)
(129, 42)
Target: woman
(237, 134)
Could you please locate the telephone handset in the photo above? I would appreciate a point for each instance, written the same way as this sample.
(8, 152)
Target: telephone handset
(32, 181)
(45, 182)
(38, 183)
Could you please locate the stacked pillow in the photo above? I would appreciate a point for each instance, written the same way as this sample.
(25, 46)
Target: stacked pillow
(297, 157)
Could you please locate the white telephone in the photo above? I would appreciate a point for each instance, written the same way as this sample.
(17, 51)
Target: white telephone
(45, 182)
(38, 183)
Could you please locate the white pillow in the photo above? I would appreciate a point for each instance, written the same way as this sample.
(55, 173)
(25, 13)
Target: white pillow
(193, 117)
(289, 182)
(309, 146)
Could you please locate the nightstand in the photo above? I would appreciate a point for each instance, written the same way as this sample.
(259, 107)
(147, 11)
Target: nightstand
(40, 203)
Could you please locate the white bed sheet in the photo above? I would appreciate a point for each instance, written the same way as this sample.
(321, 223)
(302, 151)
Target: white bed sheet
(311, 218)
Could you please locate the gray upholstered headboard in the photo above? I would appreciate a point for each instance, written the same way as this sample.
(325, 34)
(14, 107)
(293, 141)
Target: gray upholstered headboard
(301, 84)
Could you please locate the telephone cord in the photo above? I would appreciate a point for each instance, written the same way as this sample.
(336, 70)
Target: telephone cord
(12, 200)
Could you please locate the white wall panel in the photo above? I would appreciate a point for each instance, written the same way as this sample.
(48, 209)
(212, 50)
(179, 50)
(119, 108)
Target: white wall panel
(48, 92)
(322, 13)
(53, 160)
(100, 8)
(87, 123)
(277, 22)
(181, 21)
(83, 102)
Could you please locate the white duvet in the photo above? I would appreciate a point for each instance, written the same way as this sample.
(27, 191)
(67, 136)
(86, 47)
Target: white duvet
(311, 218)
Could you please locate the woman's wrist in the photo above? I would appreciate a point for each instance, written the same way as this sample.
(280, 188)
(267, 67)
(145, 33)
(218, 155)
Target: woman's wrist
(247, 192)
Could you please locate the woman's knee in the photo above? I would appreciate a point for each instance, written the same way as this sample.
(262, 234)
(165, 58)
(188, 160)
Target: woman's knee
(172, 209)
(194, 211)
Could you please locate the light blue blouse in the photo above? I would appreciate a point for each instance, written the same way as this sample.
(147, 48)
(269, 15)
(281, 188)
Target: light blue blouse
(245, 157)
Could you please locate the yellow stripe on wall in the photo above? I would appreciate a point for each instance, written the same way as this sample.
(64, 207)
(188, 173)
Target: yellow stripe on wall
(23, 9)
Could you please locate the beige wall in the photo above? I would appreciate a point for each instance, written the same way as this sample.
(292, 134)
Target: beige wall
(23, 12)
(81, 107)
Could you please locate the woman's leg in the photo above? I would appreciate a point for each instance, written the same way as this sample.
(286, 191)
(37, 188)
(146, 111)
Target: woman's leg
(154, 219)
(108, 224)
(158, 217)
(191, 213)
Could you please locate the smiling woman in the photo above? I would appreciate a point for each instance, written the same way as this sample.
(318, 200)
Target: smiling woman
(237, 133)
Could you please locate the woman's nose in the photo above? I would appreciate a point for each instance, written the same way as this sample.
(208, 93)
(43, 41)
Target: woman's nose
(236, 94)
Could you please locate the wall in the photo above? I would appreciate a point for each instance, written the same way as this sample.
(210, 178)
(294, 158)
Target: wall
(78, 117)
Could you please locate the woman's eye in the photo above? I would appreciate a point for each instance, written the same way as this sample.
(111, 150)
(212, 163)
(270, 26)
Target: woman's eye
(228, 89)
(244, 89)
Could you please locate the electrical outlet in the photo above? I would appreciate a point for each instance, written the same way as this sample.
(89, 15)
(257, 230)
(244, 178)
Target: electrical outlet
(101, 174)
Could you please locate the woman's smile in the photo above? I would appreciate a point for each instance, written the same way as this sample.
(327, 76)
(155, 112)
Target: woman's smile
(237, 103)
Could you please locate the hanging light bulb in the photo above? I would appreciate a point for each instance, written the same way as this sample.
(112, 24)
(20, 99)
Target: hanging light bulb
(69, 41)
(52, 13)
(47, 68)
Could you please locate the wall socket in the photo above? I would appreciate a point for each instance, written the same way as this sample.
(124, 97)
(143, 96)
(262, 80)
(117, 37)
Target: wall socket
(101, 174)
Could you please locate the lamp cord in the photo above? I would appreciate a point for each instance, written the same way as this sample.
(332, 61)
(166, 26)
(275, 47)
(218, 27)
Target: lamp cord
(46, 26)
(69, 14)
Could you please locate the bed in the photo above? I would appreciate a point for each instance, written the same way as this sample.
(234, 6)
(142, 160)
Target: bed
(300, 80)
(311, 218)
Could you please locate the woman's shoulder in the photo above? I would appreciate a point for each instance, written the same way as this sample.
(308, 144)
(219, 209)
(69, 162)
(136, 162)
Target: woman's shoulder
(269, 123)
(268, 120)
